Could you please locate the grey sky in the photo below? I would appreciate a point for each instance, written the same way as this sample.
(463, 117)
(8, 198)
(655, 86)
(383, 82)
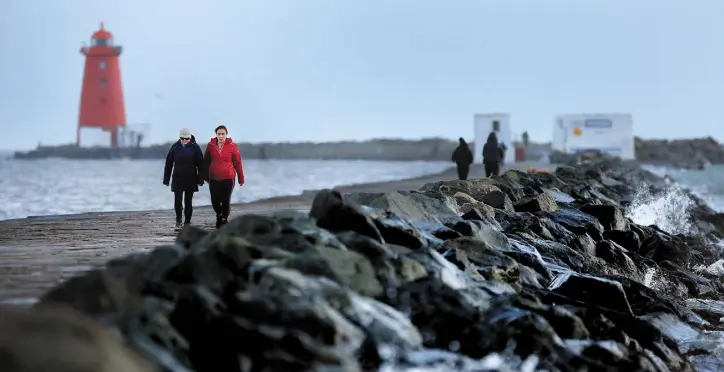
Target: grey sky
(319, 70)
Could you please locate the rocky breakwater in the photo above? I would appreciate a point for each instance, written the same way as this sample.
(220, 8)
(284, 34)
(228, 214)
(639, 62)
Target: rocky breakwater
(695, 153)
(522, 272)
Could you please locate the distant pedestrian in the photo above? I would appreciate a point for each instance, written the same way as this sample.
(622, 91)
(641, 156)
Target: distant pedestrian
(223, 160)
(184, 170)
(462, 157)
(503, 149)
(492, 155)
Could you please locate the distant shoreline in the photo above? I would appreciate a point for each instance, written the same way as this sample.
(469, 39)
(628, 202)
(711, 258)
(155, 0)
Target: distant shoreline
(696, 153)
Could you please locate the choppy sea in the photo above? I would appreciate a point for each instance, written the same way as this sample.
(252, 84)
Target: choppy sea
(58, 186)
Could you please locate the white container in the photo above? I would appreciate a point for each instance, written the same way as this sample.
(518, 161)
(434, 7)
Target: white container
(608, 133)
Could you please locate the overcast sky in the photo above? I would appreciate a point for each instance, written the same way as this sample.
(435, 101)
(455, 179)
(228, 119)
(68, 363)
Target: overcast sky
(292, 70)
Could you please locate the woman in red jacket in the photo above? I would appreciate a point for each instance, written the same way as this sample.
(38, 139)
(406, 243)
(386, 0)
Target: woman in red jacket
(224, 164)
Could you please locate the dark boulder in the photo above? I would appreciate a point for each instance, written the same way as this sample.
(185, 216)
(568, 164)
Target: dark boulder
(538, 203)
(332, 212)
(627, 239)
(662, 247)
(577, 222)
(599, 292)
(617, 256)
(610, 217)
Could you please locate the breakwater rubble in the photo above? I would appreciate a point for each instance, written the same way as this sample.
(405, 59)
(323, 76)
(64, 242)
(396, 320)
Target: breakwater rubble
(694, 153)
(518, 272)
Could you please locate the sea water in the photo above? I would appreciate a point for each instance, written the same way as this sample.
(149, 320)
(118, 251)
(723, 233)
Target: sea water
(59, 186)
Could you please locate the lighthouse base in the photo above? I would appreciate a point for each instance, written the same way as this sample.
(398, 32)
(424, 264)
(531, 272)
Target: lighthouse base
(93, 137)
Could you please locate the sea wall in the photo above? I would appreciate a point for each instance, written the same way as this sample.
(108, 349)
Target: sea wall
(518, 272)
(380, 149)
(685, 153)
(430, 149)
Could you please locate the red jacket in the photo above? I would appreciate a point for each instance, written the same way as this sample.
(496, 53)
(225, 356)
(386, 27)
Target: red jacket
(224, 164)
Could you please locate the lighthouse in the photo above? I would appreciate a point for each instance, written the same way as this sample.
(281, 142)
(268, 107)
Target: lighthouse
(102, 114)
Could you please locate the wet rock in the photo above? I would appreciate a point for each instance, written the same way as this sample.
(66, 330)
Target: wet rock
(57, 338)
(645, 300)
(701, 248)
(627, 239)
(554, 253)
(577, 222)
(463, 198)
(332, 212)
(476, 213)
(478, 256)
(600, 292)
(567, 324)
(710, 310)
(716, 269)
(610, 217)
(479, 206)
(117, 287)
(539, 203)
(615, 255)
(661, 247)
(351, 269)
(496, 198)
(395, 230)
(411, 206)
(189, 235)
(697, 285)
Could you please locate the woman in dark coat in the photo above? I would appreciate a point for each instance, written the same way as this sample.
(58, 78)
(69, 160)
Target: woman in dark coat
(184, 168)
(463, 157)
(492, 155)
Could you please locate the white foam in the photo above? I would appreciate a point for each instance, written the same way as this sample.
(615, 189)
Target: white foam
(705, 184)
(667, 209)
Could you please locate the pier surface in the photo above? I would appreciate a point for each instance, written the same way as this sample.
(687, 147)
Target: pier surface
(36, 253)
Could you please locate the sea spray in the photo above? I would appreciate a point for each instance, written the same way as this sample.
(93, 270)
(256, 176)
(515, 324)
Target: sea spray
(668, 209)
(705, 184)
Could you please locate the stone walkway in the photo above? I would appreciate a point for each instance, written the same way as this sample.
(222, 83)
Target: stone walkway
(38, 252)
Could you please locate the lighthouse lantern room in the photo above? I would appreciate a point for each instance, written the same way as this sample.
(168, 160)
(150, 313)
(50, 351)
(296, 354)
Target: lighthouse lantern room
(102, 114)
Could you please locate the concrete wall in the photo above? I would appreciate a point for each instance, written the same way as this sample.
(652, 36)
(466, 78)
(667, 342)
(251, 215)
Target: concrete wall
(382, 149)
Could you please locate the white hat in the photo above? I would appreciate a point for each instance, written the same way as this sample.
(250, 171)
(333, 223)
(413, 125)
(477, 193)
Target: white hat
(184, 133)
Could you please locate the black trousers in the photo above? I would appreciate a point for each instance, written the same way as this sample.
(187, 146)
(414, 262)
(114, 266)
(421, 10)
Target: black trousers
(187, 208)
(463, 171)
(492, 169)
(221, 196)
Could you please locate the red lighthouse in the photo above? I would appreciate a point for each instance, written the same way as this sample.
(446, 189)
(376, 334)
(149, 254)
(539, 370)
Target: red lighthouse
(102, 110)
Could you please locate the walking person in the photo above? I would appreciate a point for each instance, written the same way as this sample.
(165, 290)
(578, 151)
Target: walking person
(462, 157)
(184, 170)
(492, 155)
(223, 160)
(503, 150)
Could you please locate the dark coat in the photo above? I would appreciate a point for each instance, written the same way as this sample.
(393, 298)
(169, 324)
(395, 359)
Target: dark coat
(492, 153)
(462, 154)
(187, 163)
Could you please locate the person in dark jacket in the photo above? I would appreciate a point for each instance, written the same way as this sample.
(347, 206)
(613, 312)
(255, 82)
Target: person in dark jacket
(462, 157)
(492, 155)
(184, 168)
(503, 149)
